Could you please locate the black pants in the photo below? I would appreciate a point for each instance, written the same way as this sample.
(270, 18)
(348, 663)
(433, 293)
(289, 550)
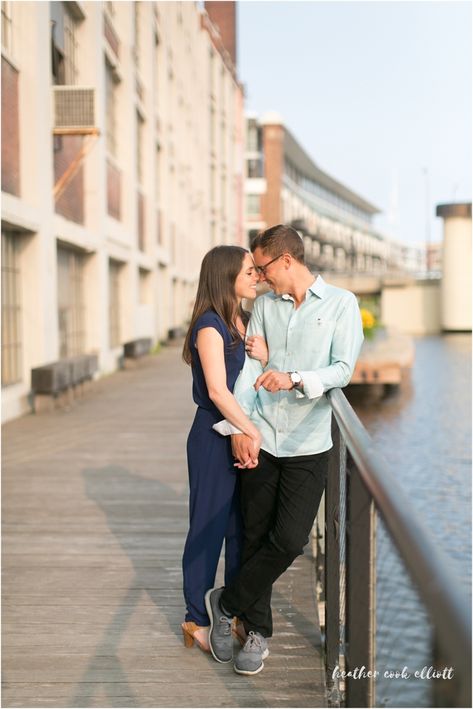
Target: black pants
(280, 499)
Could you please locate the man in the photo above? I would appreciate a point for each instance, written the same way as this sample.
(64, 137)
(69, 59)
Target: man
(314, 335)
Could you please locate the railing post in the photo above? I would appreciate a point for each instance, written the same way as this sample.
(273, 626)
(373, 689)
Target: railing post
(361, 586)
(455, 689)
(332, 563)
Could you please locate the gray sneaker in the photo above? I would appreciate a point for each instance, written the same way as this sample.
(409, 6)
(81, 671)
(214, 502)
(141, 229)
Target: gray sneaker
(249, 660)
(220, 635)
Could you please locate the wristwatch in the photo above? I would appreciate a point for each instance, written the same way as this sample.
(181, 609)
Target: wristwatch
(296, 380)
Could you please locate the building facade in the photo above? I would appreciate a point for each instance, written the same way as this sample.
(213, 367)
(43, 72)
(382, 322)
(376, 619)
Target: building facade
(104, 224)
(284, 185)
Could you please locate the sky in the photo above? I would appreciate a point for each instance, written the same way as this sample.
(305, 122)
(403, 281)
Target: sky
(378, 93)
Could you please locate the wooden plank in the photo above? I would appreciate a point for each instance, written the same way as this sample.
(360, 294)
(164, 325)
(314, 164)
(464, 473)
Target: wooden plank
(94, 518)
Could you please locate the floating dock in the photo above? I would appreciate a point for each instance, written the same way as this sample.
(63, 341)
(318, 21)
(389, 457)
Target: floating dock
(384, 359)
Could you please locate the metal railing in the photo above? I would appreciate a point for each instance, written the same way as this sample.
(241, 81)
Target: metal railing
(360, 484)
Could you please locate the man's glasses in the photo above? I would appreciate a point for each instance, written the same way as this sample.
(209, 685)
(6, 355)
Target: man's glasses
(262, 269)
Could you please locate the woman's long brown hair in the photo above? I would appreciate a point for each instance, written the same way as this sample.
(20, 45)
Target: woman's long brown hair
(216, 291)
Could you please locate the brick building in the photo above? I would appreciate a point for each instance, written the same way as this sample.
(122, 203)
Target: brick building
(113, 252)
(284, 185)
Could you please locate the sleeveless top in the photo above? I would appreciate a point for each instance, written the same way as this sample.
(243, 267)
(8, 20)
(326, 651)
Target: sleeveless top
(234, 358)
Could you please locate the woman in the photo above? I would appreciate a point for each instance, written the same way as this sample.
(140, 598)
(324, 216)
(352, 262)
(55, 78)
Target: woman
(215, 348)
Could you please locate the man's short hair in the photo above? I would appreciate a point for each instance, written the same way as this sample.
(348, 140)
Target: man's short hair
(278, 240)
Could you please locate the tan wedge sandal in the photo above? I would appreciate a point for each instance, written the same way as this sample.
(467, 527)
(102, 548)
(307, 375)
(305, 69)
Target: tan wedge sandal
(189, 630)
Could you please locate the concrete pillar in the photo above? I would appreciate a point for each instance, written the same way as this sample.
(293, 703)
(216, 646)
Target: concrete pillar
(273, 150)
(456, 279)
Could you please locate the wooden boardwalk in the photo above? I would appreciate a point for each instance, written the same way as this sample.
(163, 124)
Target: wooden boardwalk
(94, 522)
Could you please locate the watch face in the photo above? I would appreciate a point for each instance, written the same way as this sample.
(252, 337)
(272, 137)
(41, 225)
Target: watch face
(296, 378)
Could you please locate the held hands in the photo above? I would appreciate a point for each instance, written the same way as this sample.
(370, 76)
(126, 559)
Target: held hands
(274, 381)
(257, 348)
(246, 449)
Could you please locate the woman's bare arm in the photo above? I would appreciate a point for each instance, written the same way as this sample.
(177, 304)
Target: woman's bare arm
(211, 352)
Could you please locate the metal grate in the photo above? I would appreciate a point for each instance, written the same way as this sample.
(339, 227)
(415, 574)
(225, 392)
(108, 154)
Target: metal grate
(74, 107)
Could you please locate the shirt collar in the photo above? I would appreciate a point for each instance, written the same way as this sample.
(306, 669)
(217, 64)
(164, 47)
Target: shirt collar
(317, 288)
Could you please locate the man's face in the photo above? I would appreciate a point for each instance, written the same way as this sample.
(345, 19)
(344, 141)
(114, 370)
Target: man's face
(273, 272)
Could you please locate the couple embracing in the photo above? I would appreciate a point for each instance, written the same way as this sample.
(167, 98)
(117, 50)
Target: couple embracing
(259, 445)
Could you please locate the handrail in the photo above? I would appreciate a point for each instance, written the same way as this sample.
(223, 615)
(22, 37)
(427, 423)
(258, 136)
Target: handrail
(429, 568)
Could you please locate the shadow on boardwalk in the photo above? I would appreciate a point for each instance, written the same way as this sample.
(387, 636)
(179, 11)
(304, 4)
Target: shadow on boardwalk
(94, 528)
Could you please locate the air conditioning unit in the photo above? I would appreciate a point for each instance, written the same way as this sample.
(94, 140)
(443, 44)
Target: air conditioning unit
(74, 109)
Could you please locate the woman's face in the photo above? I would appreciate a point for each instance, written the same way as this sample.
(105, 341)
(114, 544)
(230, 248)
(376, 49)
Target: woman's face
(245, 283)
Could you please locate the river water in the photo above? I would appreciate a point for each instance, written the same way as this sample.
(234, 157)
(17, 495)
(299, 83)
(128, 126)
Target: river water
(424, 432)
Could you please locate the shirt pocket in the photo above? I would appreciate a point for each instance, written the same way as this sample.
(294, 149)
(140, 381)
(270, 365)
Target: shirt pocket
(318, 334)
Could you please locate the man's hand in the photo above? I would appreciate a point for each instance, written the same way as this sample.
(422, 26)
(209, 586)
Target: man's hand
(274, 381)
(245, 450)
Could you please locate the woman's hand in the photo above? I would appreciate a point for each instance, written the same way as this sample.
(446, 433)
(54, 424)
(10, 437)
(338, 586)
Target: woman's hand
(246, 449)
(257, 348)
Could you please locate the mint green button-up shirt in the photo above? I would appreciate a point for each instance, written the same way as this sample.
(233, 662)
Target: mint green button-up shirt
(321, 340)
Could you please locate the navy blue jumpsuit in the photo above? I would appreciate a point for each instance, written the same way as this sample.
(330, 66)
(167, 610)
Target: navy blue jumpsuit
(214, 504)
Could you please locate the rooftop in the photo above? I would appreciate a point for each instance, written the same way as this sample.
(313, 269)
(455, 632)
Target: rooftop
(302, 160)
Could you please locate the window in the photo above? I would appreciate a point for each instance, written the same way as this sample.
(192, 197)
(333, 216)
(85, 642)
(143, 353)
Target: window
(213, 233)
(71, 308)
(212, 72)
(251, 236)
(64, 44)
(70, 49)
(156, 66)
(7, 26)
(255, 168)
(253, 204)
(140, 129)
(114, 302)
(109, 19)
(111, 110)
(145, 282)
(253, 137)
(212, 127)
(173, 248)
(137, 14)
(157, 174)
(222, 88)
(141, 225)
(157, 193)
(223, 135)
(212, 184)
(11, 309)
(223, 195)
